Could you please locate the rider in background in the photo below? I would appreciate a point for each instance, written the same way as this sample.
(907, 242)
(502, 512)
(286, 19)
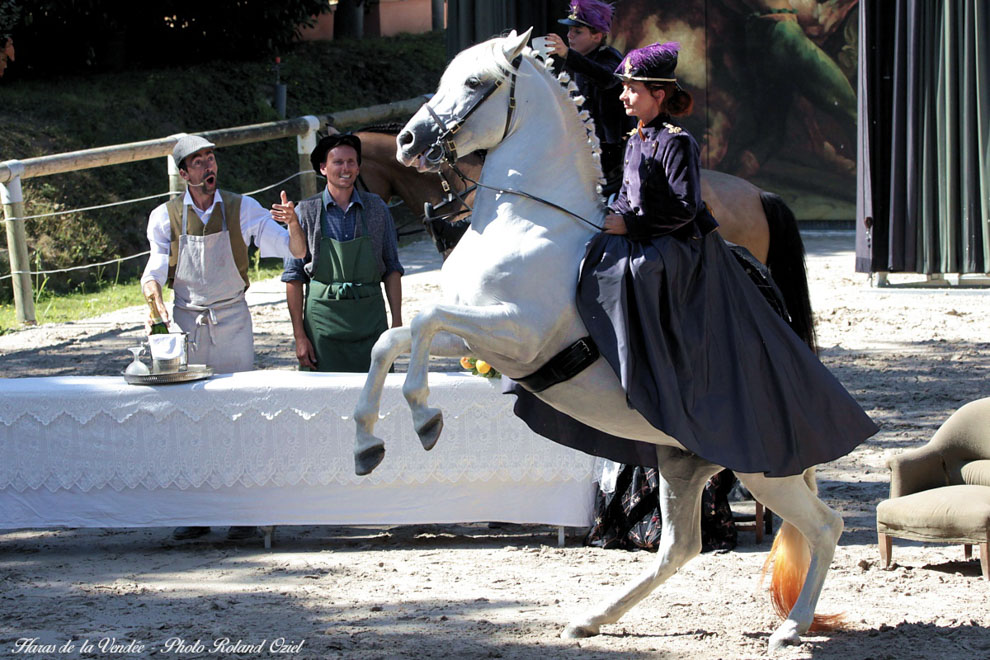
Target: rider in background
(591, 61)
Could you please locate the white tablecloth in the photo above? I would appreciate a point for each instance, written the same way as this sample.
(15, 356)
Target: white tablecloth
(272, 447)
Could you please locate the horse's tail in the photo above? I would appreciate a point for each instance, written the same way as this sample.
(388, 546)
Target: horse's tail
(785, 259)
(789, 560)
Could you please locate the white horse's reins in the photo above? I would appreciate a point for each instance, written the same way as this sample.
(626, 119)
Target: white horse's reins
(580, 355)
(448, 150)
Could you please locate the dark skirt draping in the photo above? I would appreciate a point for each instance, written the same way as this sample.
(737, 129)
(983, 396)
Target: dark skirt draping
(629, 518)
(704, 358)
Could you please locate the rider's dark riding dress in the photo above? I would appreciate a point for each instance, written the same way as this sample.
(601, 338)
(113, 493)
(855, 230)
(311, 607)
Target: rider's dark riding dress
(699, 351)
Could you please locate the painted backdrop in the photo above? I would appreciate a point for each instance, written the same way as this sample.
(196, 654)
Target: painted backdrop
(774, 89)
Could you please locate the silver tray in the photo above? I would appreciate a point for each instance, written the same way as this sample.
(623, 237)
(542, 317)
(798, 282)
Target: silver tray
(190, 373)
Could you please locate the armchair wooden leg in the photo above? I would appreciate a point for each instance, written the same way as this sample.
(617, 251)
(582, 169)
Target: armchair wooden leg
(967, 551)
(985, 559)
(885, 546)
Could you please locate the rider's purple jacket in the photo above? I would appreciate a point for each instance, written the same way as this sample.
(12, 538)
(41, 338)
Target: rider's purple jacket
(661, 184)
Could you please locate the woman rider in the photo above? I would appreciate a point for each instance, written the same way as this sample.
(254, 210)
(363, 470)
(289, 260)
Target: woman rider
(698, 349)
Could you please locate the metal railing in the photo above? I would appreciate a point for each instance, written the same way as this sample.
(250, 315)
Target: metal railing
(304, 129)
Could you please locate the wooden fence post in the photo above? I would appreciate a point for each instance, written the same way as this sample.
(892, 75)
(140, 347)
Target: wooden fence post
(13, 212)
(305, 144)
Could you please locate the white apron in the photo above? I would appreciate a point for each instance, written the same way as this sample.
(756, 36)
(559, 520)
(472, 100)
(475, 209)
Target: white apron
(209, 302)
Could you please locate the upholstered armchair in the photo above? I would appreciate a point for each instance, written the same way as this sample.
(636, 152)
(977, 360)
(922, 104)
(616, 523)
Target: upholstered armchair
(941, 491)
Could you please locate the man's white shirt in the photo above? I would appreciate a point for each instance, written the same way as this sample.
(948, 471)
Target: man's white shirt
(257, 226)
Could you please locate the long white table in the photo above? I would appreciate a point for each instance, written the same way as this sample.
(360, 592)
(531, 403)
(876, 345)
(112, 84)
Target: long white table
(272, 448)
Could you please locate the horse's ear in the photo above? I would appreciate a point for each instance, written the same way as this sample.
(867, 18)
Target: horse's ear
(514, 44)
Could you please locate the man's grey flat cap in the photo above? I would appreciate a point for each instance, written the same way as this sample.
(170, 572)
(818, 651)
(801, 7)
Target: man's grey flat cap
(189, 144)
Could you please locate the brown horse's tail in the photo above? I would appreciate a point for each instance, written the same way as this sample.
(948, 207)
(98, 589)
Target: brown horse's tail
(789, 559)
(785, 260)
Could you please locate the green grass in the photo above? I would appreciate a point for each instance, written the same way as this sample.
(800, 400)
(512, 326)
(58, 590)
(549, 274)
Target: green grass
(101, 298)
(60, 308)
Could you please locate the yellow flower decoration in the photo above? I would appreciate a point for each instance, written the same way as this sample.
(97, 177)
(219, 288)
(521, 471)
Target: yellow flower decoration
(479, 367)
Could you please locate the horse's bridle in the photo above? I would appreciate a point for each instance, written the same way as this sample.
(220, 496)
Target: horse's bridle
(445, 142)
(448, 151)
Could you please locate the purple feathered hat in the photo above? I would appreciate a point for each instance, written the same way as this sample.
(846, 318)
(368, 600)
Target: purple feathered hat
(653, 63)
(592, 14)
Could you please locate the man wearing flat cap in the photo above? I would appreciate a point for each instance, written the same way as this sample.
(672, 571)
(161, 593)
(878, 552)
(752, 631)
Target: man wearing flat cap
(334, 294)
(591, 61)
(199, 247)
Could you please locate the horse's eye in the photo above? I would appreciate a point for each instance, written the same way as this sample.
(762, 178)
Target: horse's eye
(473, 82)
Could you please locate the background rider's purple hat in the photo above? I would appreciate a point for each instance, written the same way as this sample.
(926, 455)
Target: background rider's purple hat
(653, 63)
(592, 14)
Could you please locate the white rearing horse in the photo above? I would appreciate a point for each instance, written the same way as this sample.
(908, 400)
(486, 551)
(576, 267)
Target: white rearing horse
(510, 299)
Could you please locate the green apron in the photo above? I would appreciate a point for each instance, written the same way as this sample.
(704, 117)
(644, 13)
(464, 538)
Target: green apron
(344, 312)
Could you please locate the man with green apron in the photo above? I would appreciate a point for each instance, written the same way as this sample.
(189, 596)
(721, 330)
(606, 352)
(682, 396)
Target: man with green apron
(334, 295)
(199, 247)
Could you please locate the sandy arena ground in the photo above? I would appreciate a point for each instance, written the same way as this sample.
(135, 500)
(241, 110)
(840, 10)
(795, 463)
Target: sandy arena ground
(911, 356)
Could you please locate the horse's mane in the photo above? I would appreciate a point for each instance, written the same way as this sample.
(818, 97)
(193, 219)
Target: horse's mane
(387, 128)
(568, 90)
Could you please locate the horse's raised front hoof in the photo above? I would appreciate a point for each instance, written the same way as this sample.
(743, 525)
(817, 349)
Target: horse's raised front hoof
(786, 635)
(429, 432)
(575, 631)
(367, 459)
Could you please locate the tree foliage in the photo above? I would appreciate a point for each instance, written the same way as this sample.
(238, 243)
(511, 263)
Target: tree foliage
(58, 36)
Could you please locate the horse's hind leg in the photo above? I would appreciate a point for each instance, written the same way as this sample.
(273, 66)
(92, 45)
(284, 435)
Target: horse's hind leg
(794, 499)
(682, 478)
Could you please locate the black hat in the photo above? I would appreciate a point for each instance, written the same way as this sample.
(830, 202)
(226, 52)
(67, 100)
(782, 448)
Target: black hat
(319, 155)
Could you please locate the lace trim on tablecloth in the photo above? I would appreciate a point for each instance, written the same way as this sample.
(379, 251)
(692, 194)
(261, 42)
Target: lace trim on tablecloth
(268, 436)
(268, 393)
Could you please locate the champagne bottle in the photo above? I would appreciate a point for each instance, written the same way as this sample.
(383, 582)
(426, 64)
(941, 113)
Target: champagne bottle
(158, 326)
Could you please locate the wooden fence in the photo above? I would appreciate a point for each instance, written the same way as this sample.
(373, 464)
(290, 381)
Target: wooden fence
(303, 128)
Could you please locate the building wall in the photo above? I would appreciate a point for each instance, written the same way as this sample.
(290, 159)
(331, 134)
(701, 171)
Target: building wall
(383, 18)
(322, 31)
(396, 16)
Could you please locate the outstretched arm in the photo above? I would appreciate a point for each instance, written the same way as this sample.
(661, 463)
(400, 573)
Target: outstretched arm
(286, 214)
